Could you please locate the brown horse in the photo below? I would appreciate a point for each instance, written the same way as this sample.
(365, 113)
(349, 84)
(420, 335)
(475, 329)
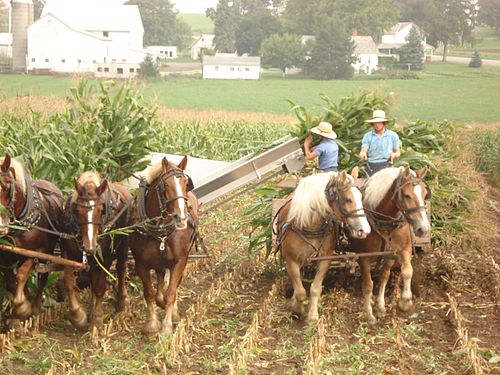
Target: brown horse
(308, 226)
(394, 202)
(94, 210)
(36, 206)
(166, 216)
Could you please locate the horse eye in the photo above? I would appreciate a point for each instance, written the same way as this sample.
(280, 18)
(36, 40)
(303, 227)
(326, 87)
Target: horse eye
(348, 200)
(407, 196)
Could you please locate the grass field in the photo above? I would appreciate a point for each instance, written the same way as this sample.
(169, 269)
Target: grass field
(199, 23)
(445, 91)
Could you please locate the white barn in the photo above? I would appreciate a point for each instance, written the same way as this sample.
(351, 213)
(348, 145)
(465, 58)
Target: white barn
(223, 66)
(366, 53)
(80, 36)
(205, 41)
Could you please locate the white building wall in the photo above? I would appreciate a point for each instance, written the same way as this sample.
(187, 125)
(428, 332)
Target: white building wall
(230, 72)
(366, 63)
(52, 45)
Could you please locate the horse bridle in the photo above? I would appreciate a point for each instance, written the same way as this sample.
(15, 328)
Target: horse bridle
(162, 185)
(334, 192)
(397, 196)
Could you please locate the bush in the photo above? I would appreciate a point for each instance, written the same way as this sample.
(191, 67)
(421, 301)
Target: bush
(148, 68)
(475, 61)
(487, 156)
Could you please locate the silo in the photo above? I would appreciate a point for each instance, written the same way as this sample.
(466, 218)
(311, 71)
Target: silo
(22, 17)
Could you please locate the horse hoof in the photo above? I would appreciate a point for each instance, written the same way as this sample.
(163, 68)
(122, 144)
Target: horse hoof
(160, 302)
(120, 305)
(23, 311)
(167, 329)
(175, 317)
(371, 320)
(78, 318)
(405, 305)
(151, 327)
(380, 311)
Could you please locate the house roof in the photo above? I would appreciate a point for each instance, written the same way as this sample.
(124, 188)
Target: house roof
(398, 45)
(397, 28)
(231, 60)
(95, 15)
(364, 45)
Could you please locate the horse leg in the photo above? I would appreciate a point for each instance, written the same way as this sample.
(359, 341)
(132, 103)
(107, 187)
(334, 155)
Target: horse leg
(121, 270)
(42, 281)
(77, 315)
(152, 324)
(405, 302)
(171, 295)
(316, 289)
(367, 289)
(160, 291)
(22, 306)
(299, 292)
(98, 288)
(384, 278)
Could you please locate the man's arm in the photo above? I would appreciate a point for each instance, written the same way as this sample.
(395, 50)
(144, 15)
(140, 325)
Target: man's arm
(310, 153)
(396, 151)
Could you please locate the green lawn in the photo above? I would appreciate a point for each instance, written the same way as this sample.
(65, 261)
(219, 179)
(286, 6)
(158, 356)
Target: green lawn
(446, 91)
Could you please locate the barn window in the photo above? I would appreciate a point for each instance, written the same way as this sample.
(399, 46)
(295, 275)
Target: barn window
(63, 60)
(124, 60)
(79, 61)
(46, 60)
(106, 69)
(99, 69)
(131, 70)
(105, 34)
(113, 60)
(32, 59)
(216, 68)
(247, 69)
(94, 61)
(119, 70)
(231, 69)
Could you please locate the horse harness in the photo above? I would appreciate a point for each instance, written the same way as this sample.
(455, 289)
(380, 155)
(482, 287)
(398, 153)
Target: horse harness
(333, 222)
(162, 227)
(33, 208)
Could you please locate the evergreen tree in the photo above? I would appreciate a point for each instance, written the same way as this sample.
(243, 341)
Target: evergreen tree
(148, 68)
(475, 61)
(413, 51)
(226, 20)
(331, 56)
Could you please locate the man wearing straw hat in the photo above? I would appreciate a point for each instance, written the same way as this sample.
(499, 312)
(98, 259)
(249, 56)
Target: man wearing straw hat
(327, 151)
(380, 146)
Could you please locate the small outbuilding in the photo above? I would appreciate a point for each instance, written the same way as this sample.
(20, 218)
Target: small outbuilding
(366, 53)
(222, 66)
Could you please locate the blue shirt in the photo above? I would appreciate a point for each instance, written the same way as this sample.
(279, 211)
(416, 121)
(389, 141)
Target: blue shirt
(328, 153)
(380, 147)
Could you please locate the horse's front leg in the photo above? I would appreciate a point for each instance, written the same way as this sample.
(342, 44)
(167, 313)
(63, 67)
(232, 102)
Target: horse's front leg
(176, 272)
(77, 315)
(98, 288)
(299, 292)
(121, 270)
(316, 289)
(152, 324)
(22, 306)
(383, 279)
(405, 302)
(367, 289)
(160, 290)
(37, 302)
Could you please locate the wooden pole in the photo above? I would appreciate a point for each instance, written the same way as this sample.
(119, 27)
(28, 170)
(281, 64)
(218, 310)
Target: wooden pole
(355, 256)
(52, 258)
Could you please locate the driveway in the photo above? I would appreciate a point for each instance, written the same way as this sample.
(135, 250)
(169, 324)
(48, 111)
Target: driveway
(465, 60)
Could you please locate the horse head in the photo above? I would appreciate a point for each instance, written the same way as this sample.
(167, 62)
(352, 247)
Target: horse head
(409, 196)
(176, 185)
(12, 192)
(345, 200)
(89, 208)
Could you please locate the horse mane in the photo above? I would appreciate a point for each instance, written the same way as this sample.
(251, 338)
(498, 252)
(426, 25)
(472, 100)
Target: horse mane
(309, 201)
(153, 172)
(20, 171)
(86, 177)
(379, 184)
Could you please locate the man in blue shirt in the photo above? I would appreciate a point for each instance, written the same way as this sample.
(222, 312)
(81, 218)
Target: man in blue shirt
(380, 145)
(327, 151)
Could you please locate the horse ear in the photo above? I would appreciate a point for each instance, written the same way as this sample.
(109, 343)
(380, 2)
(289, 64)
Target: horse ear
(406, 172)
(343, 177)
(183, 164)
(6, 163)
(355, 172)
(164, 164)
(421, 172)
(102, 187)
(78, 186)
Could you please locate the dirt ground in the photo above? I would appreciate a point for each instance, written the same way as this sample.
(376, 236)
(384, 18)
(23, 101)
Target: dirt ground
(235, 317)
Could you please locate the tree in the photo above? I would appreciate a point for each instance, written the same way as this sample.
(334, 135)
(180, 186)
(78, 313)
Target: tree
(412, 52)
(475, 61)
(148, 68)
(37, 8)
(226, 19)
(161, 25)
(332, 53)
(282, 51)
(252, 30)
(489, 13)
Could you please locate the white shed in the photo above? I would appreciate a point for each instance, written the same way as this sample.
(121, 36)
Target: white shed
(164, 52)
(77, 35)
(205, 41)
(231, 67)
(366, 53)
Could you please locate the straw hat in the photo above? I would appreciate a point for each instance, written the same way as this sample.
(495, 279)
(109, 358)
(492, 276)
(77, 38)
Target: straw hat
(325, 130)
(378, 116)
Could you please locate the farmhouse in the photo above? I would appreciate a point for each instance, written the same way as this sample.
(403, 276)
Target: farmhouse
(366, 52)
(204, 42)
(395, 38)
(229, 66)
